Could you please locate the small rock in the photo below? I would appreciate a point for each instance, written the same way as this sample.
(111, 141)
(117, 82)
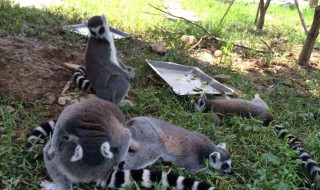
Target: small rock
(221, 76)
(202, 63)
(270, 70)
(259, 87)
(300, 92)
(191, 40)
(159, 48)
(50, 98)
(62, 101)
(217, 53)
(9, 108)
(270, 89)
(207, 56)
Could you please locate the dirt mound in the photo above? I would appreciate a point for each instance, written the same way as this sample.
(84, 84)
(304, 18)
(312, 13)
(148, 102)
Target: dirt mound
(30, 69)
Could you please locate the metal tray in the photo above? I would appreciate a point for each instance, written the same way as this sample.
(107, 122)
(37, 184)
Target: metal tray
(186, 80)
(83, 30)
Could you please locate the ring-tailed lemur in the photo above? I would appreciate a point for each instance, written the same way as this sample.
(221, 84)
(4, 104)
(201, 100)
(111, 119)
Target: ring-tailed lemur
(161, 139)
(89, 141)
(296, 144)
(108, 76)
(254, 108)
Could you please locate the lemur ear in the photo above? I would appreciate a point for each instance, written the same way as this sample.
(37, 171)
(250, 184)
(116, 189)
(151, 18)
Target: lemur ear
(105, 150)
(78, 154)
(104, 19)
(85, 22)
(215, 157)
(222, 145)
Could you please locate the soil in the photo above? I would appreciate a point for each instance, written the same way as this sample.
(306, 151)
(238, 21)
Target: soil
(30, 69)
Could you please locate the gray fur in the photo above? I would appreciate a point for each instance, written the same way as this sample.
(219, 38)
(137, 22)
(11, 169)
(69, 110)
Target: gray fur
(89, 125)
(160, 139)
(256, 108)
(108, 76)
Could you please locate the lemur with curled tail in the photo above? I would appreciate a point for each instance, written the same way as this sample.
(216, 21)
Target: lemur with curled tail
(89, 141)
(104, 73)
(161, 139)
(256, 108)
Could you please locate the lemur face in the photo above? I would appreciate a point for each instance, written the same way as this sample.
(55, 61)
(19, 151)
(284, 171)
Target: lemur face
(99, 28)
(98, 32)
(221, 160)
(200, 104)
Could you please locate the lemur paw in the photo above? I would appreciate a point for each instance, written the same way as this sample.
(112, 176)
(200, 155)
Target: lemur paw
(51, 153)
(101, 182)
(47, 185)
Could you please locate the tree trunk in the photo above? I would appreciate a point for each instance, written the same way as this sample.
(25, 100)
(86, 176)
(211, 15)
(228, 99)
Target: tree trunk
(263, 9)
(313, 3)
(311, 39)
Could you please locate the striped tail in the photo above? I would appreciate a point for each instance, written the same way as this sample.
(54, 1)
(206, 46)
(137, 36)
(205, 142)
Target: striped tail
(122, 178)
(310, 164)
(39, 134)
(79, 79)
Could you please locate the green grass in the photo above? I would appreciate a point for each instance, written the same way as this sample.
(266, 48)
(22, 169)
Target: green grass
(260, 159)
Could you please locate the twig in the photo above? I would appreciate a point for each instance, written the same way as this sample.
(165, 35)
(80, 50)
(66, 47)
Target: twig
(301, 17)
(226, 12)
(151, 13)
(270, 49)
(210, 35)
(70, 66)
(181, 18)
(265, 43)
(196, 44)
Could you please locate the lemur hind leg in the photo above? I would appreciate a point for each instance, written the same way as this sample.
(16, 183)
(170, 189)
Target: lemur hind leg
(115, 90)
(61, 182)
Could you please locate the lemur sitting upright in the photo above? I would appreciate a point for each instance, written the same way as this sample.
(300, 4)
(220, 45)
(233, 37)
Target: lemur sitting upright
(104, 73)
(161, 139)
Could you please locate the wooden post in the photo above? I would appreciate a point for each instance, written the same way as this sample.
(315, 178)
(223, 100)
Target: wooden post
(311, 39)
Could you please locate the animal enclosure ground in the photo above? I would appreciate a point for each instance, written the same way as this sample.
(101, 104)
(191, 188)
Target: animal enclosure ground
(31, 80)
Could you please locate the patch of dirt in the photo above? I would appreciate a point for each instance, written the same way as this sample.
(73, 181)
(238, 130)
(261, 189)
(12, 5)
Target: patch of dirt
(30, 69)
(264, 72)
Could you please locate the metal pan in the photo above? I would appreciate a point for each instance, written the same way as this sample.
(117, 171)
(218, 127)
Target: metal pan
(83, 30)
(186, 80)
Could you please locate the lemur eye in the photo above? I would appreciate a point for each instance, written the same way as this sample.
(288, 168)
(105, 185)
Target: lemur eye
(101, 31)
(225, 166)
(65, 137)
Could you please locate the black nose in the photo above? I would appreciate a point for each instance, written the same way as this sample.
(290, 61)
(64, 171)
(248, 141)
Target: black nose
(231, 172)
